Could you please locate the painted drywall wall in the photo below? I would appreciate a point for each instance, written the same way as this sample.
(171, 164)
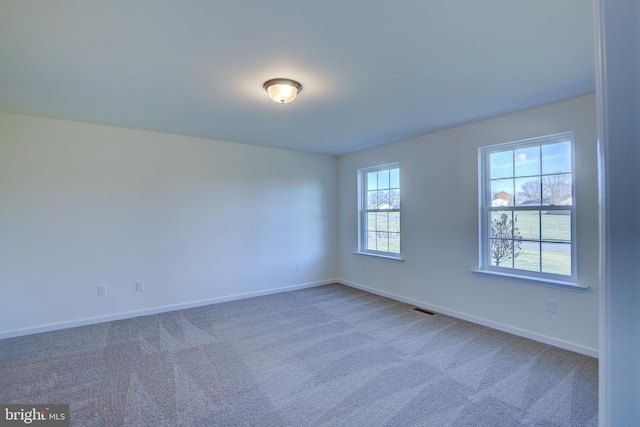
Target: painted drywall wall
(618, 89)
(195, 219)
(439, 192)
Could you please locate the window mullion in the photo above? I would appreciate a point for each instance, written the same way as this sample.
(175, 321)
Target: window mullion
(540, 238)
(386, 179)
(513, 168)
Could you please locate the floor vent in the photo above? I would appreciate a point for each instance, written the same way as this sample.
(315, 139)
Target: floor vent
(422, 310)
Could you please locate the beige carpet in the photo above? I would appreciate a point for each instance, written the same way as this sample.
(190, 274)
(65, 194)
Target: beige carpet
(325, 356)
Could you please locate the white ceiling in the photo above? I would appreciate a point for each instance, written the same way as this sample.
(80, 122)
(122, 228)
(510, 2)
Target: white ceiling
(373, 71)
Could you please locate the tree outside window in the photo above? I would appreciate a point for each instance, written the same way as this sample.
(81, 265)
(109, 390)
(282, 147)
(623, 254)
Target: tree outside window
(527, 212)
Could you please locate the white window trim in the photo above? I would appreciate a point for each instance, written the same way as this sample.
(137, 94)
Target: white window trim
(362, 211)
(380, 255)
(532, 280)
(538, 278)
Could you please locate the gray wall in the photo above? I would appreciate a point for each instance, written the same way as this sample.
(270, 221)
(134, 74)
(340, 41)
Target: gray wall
(201, 220)
(195, 219)
(618, 89)
(439, 180)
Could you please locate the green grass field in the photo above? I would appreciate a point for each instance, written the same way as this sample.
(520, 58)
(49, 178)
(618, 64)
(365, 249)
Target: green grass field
(383, 232)
(555, 227)
(534, 226)
(555, 262)
(542, 226)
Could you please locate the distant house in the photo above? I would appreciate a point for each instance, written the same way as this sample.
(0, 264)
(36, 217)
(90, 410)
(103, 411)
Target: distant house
(384, 206)
(499, 202)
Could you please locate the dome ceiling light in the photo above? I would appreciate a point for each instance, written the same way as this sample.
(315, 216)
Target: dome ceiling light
(282, 91)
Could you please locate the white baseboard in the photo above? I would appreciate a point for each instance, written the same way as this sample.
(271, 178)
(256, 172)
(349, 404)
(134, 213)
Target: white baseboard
(588, 351)
(155, 310)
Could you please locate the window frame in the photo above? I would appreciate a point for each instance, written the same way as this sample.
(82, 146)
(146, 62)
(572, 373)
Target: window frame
(363, 211)
(486, 208)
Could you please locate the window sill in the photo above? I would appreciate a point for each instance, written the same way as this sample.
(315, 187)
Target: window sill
(389, 257)
(539, 281)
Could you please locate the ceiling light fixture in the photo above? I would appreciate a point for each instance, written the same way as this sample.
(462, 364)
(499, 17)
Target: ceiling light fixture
(282, 91)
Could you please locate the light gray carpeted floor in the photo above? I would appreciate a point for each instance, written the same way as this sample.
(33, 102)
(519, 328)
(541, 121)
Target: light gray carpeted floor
(325, 356)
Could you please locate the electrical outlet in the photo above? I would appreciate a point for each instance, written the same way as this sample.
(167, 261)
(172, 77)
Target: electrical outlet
(102, 289)
(551, 306)
(361, 267)
(139, 286)
(298, 266)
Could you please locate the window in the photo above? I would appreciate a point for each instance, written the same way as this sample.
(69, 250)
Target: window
(527, 208)
(379, 207)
